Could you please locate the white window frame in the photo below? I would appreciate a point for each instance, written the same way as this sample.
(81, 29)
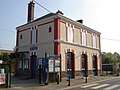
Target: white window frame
(33, 36)
(20, 64)
(94, 41)
(84, 38)
(26, 63)
(70, 34)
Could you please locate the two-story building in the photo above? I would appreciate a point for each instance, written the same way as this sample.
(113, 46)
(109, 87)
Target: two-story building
(56, 34)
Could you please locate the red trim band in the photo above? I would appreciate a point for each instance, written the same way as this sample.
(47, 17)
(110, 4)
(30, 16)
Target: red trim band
(56, 35)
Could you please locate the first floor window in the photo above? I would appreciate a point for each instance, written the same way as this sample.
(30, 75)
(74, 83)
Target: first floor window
(20, 64)
(26, 63)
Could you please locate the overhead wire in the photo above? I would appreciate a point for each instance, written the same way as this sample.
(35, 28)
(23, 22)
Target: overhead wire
(42, 6)
(111, 39)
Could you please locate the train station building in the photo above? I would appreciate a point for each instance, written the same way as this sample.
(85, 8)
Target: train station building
(56, 34)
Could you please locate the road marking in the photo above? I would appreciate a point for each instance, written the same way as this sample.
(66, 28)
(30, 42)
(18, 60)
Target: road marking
(100, 86)
(89, 85)
(65, 88)
(111, 87)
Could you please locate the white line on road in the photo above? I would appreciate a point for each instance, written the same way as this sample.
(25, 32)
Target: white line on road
(100, 86)
(65, 88)
(111, 87)
(89, 85)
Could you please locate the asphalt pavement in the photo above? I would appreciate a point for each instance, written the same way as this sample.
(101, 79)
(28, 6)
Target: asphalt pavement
(32, 84)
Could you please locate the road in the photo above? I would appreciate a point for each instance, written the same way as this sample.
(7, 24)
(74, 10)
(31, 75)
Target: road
(112, 84)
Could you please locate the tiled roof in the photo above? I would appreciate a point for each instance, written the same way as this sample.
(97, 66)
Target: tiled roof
(64, 18)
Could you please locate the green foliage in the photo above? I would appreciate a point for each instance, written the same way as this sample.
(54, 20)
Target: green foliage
(7, 60)
(109, 58)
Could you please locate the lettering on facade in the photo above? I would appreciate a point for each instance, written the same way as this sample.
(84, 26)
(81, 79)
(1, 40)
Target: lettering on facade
(33, 48)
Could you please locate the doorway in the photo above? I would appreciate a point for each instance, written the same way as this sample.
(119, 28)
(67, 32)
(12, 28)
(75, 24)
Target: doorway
(95, 71)
(33, 66)
(84, 65)
(70, 64)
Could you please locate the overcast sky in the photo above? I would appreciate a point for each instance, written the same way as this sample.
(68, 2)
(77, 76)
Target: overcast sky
(100, 15)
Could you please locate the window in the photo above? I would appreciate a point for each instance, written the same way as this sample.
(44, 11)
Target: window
(94, 41)
(84, 38)
(26, 64)
(70, 34)
(34, 35)
(20, 64)
(21, 36)
(50, 29)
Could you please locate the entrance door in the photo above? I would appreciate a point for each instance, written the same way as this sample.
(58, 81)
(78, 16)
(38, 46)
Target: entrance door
(84, 65)
(70, 64)
(95, 71)
(33, 66)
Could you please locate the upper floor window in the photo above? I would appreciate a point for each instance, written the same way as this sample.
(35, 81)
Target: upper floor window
(84, 38)
(34, 34)
(50, 29)
(69, 32)
(21, 36)
(94, 41)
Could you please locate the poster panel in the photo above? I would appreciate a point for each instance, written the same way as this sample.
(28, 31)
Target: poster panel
(51, 65)
(2, 78)
(57, 65)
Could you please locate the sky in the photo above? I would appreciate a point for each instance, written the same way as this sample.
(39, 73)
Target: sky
(100, 15)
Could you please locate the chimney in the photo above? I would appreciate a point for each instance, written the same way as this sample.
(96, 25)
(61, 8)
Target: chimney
(80, 21)
(30, 11)
(60, 12)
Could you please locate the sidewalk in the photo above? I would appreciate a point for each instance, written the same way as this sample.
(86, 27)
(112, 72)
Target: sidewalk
(32, 84)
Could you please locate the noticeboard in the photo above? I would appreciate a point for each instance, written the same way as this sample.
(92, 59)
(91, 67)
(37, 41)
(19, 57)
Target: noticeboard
(40, 61)
(2, 78)
(57, 65)
(51, 65)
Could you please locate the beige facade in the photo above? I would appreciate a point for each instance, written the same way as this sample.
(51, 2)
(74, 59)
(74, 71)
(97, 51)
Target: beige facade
(64, 36)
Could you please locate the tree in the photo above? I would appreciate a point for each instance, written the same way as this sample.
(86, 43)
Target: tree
(7, 60)
(109, 58)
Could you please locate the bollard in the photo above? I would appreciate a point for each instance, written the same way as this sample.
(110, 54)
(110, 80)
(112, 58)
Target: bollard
(57, 79)
(85, 79)
(7, 82)
(39, 74)
(69, 80)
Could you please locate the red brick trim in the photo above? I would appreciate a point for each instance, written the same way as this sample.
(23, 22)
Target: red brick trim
(56, 35)
(56, 48)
